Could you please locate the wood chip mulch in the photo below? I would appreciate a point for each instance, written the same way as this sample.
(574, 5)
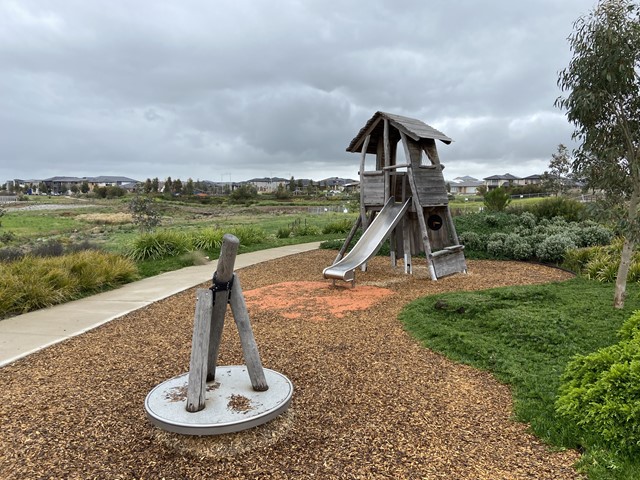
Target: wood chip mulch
(369, 401)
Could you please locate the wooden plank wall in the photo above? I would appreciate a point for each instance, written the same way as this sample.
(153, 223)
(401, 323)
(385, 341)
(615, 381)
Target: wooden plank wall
(449, 264)
(373, 188)
(430, 185)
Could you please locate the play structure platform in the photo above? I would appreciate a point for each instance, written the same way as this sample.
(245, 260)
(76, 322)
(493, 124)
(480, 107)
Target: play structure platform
(401, 199)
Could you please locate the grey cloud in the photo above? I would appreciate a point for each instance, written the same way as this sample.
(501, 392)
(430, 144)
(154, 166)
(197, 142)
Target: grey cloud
(199, 88)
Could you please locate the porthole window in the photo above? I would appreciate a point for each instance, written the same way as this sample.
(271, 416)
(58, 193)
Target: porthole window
(434, 222)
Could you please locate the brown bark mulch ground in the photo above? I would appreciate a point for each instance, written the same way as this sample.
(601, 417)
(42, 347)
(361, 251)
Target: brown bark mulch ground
(369, 401)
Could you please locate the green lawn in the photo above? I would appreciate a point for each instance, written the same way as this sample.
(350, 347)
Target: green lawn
(526, 336)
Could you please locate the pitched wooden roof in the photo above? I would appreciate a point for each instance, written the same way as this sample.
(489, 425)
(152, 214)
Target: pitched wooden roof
(411, 127)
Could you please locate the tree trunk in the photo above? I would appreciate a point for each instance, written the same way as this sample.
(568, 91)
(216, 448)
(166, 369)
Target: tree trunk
(629, 243)
(623, 270)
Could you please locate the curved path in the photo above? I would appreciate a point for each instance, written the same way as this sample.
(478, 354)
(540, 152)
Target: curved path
(30, 332)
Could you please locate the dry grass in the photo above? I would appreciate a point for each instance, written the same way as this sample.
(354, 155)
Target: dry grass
(107, 218)
(369, 401)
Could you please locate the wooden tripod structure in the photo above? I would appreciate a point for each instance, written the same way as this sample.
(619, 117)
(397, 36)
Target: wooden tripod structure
(211, 307)
(427, 226)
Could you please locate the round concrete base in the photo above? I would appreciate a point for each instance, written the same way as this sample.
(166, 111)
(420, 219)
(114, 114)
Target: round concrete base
(231, 404)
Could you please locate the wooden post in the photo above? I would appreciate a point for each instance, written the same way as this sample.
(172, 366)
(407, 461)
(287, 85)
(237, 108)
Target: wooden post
(346, 243)
(419, 209)
(224, 274)
(406, 237)
(199, 345)
(363, 208)
(247, 340)
(387, 161)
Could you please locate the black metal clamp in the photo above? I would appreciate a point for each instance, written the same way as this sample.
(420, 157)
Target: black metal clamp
(221, 287)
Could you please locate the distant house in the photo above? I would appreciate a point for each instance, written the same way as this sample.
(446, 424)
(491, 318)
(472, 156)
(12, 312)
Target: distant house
(62, 185)
(107, 181)
(533, 180)
(464, 185)
(336, 184)
(506, 180)
(267, 184)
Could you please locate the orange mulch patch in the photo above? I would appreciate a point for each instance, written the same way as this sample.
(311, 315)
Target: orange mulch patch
(314, 301)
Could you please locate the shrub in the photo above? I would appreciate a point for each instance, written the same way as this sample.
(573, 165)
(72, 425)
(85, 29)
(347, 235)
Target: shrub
(495, 248)
(496, 200)
(243, 194)
(339, 226)
(576, 259)
(472, 241)
(144, 213)
(592, 235)
(517, 247)
(51, 248)
(284, 232)
(498, 237)
(82, 246)
(527, 220)
(248, 235)
(157, 245)
(553, 248)
(207, 239)
(10, 254)
(306, 230)
(566, 208)
(7, 237)
(600, 391)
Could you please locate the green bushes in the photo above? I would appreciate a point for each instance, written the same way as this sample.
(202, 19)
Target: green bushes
(496, 200)
(30, 283)
(601, 262)
(570, 210)
(339, 226)
(171, 243)
(600, 391)
(553, 248)
(208, 239)
(524, 237)
(165, 243)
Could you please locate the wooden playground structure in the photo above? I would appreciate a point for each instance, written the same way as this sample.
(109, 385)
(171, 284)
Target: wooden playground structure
(403, 198)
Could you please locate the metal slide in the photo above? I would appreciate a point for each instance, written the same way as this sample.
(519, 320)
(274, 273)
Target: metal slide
(369, 243)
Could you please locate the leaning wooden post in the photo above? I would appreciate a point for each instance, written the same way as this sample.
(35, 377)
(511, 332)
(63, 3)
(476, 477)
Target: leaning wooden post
(247, 340)
(197, 382)
(222, 279)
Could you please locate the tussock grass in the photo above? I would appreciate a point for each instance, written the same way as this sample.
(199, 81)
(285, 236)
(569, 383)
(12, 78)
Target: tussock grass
(32, 282)
(160, 244)
(208, 239)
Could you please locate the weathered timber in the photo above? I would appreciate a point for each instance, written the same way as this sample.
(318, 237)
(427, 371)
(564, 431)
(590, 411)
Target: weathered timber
(419, 211)
(372, 190)
(406, 238)
(363, 209)
(197, 382)
(449, 262)
(247, 340)
(223, 275)
(387, 161)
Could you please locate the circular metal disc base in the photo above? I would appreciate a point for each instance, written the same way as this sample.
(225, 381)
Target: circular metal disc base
(231, 404)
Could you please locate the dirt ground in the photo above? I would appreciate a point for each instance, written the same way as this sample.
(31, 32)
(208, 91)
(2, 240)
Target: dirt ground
(369, 401)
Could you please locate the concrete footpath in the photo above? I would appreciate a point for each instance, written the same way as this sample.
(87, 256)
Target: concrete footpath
(33, 331)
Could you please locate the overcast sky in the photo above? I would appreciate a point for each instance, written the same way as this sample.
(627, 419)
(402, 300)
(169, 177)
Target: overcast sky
(236, 89)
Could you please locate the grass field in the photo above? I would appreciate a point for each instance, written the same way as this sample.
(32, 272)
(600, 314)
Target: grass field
(526, 336)
(103, 221)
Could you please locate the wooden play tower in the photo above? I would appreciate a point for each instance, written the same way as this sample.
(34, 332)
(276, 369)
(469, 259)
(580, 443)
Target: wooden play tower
(412, 180)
